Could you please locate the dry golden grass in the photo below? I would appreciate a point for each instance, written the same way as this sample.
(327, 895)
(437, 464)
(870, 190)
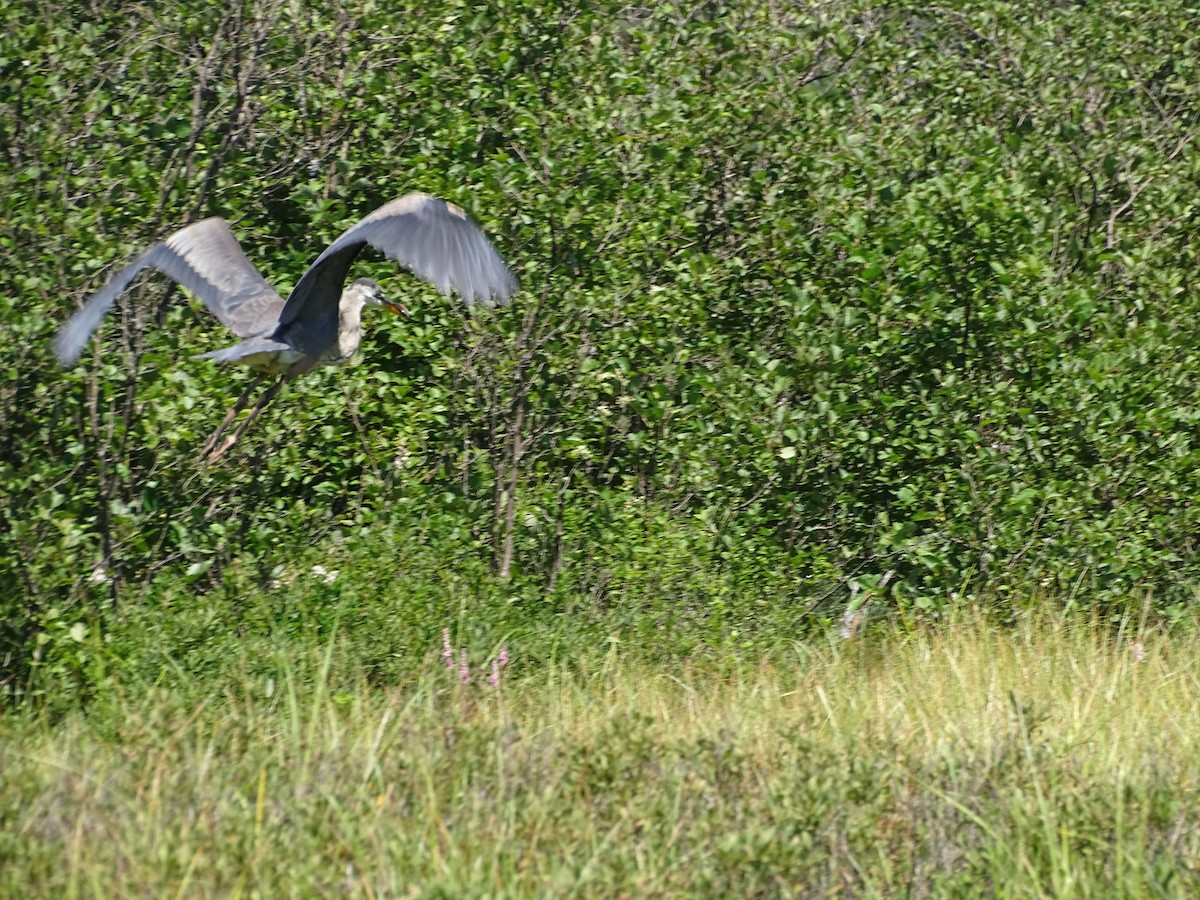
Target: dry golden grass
(1054, 759)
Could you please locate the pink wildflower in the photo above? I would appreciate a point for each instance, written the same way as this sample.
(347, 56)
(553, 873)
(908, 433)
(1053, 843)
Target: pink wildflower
(498, 663)
(464, 670)
(447, 650)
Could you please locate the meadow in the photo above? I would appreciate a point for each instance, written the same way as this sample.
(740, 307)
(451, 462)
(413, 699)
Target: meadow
(1051, 759)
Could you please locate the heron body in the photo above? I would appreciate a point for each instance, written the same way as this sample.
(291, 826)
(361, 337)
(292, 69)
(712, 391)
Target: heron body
(320, 323)
(275, 355)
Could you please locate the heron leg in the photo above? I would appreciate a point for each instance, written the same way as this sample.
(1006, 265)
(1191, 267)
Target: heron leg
(215, 453)
(229, 417)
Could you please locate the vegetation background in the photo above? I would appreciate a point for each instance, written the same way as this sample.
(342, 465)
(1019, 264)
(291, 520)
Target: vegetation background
(824, 306)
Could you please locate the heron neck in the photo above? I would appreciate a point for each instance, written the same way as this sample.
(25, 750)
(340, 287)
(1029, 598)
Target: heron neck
(349, 326)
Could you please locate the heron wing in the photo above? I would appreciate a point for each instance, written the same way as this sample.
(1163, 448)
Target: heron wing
(431, 237)
(206, 259)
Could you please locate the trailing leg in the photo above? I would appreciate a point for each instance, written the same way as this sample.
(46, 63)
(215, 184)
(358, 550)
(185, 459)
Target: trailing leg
(229, 417)
(212, 454)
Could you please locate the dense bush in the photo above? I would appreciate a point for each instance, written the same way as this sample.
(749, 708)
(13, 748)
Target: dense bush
(814, 300)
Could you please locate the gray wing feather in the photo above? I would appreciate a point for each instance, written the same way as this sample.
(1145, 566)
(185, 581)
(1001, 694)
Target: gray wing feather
(207, 260)
(429, 236)
(475, 273)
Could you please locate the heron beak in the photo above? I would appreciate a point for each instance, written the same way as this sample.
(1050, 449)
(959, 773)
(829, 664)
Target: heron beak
(394, 307)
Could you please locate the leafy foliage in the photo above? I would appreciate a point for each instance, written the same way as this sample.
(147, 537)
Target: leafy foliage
(856, 298)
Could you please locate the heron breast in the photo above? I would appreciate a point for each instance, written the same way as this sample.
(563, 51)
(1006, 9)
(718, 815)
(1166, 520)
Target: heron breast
(274, 362)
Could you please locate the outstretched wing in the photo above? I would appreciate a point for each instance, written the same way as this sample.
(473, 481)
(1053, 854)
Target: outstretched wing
(206, 259)
(433, 238)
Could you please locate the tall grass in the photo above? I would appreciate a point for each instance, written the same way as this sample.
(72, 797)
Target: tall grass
(1056, 759)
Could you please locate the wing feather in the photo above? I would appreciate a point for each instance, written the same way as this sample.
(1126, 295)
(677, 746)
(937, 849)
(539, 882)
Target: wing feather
(207, 260)
(475, 273)
(433, 239)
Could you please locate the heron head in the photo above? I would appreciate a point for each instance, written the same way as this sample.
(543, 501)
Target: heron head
(372, 294)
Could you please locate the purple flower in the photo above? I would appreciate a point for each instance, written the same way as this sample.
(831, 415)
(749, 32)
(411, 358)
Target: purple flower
(498, 663)
(447, 650)
(464, 670)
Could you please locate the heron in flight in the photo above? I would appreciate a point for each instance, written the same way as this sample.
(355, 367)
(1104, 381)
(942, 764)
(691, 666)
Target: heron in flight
(320, 324)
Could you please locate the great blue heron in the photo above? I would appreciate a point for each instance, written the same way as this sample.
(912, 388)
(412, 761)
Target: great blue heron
(320, 323)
